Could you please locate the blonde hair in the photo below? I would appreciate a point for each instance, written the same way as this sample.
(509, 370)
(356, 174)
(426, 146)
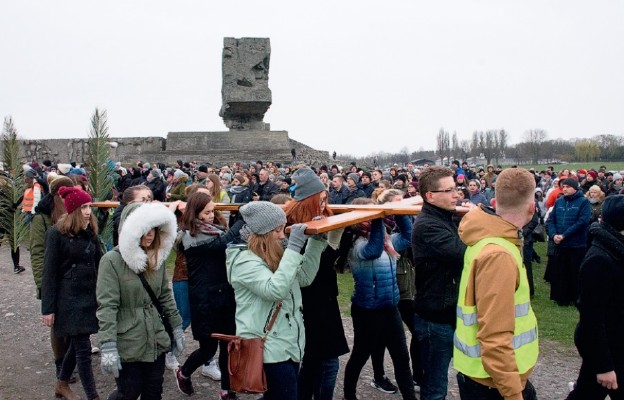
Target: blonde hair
(152, 252)
(596, 188)
(267, 248)
(387, 195)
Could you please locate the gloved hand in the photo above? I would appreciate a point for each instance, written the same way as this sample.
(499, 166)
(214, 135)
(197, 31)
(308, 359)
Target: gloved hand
(319, 236)
(178, 341)
(333, 238)
(297, 237)
(110, 361)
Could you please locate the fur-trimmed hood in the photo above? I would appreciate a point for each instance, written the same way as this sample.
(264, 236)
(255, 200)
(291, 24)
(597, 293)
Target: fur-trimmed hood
(136, 221)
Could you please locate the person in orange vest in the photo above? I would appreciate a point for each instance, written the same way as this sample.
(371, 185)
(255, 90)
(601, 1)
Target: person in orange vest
(32, 194)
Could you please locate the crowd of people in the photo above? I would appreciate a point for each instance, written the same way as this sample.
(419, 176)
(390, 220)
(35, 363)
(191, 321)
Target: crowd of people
(461, 283)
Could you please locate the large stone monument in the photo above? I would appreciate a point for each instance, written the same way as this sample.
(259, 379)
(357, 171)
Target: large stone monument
(246, 98)
(245, 91)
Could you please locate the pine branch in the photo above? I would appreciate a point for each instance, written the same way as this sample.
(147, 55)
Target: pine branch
(100, 176)
(12, 220)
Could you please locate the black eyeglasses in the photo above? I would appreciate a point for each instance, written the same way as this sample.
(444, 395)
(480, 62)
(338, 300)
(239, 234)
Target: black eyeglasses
(449, 190)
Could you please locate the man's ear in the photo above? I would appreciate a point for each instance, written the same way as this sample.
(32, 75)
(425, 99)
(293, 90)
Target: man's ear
(532, 207)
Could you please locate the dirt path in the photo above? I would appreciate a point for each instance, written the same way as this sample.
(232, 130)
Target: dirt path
(27, 370)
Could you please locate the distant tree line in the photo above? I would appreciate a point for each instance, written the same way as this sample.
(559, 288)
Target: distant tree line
(493, 146)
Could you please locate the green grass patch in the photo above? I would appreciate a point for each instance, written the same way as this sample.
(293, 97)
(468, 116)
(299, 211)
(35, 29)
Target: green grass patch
(611, 166)
(554, 322)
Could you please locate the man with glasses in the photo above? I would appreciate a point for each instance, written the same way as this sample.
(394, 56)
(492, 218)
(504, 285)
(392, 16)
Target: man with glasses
(438, 259)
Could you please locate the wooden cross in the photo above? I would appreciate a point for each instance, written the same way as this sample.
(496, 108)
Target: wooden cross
(345, 214)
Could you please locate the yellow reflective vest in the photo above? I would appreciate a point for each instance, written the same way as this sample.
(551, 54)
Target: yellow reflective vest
(467, 350)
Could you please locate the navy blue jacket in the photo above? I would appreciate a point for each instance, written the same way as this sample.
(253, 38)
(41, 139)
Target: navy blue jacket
(570, 218)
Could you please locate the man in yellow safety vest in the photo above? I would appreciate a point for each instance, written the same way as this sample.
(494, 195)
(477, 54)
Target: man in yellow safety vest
(495, 343)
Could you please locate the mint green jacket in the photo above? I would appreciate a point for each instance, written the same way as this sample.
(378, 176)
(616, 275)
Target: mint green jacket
(258, 290)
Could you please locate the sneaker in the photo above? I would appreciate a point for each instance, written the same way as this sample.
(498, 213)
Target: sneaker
(171, 362)
(184, 384)
(384, 385)
(19, 269)
(228, 395)
(211, 370)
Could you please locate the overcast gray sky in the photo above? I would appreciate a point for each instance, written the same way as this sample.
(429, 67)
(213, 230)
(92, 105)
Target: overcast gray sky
(356, 77)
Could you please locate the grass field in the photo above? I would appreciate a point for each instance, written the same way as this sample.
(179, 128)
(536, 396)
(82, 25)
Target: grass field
(611, 166)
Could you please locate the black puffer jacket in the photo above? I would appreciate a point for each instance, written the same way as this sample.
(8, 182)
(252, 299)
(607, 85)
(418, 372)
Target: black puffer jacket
(70, 269)
(210, 295)
(601, 301)
(438, 260)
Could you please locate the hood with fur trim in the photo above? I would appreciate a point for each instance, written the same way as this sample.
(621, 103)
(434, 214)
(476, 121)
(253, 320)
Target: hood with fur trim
(136, 221)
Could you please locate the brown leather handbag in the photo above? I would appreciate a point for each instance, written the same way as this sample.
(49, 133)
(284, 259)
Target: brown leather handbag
(246, 360)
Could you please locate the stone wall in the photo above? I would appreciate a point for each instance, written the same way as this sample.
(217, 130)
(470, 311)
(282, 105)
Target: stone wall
(218, 148)
(65, 150)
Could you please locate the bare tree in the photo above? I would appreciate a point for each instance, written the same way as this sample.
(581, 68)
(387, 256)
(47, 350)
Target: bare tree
(501, 145)
(489, 145)
(464, 147)
(534, 139)
(455, 146)
(404, 155)
(610, 146)
(443, 142)
(475, 147)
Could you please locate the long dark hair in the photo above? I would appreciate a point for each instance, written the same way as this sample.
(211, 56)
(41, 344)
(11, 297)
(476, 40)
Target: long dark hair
(196, 202)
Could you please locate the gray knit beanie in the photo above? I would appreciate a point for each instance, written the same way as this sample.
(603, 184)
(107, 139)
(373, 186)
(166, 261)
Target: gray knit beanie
(354, 176)
(307, 184)
(262, 216)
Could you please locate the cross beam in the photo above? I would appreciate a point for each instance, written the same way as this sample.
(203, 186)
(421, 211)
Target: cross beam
(345, 214)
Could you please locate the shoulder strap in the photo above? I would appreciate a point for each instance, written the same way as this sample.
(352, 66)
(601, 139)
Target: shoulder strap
(156, 303)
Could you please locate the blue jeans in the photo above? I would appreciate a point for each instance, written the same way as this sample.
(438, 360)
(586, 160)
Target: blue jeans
(472, 390)
(181, 296)
(317, 378)
(436, 350)
(281, 380)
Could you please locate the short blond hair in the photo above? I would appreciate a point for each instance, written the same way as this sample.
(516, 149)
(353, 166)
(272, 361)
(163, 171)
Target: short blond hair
(515, 188)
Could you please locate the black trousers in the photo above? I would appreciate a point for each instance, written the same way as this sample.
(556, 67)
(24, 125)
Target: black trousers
(207, 349)
(406, 308)
(370, 327)
(79, 354)
(143, 379)
(564, 287)
(473, 390)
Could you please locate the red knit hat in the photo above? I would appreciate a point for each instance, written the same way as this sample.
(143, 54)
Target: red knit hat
(74, 198)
